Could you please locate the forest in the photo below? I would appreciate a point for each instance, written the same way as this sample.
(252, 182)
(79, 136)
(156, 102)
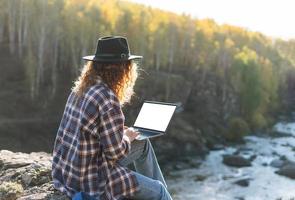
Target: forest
(230, 81)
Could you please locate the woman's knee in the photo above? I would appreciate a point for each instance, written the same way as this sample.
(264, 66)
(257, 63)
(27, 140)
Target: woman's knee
(164, 194)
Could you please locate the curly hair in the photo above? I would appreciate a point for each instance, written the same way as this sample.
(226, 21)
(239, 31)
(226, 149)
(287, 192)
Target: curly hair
(120, 78)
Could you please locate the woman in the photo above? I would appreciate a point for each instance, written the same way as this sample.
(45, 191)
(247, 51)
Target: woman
(93, 147)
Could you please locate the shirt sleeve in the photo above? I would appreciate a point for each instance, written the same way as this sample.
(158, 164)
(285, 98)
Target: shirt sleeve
(114, 144)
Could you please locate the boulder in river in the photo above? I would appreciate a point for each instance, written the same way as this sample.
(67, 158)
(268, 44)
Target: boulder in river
(236, 161)
(287, 170)
(200, 177)
(243, 182)
(277, 163)
(216, 147)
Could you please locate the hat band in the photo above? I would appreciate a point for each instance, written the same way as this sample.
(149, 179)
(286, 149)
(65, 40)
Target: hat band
(112, 56)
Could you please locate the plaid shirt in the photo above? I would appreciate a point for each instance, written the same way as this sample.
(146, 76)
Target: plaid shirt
(89, 143)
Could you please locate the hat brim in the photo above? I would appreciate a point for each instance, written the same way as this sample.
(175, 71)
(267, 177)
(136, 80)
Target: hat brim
(98, 59)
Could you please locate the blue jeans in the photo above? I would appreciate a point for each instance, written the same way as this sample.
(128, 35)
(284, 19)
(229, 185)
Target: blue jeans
(82, 196)
(152, 185)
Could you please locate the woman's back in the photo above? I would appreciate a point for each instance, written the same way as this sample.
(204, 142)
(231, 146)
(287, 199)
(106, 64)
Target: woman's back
(77, 155)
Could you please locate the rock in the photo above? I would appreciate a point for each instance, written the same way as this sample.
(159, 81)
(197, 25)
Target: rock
(287, 170)
(237, 152)
(277, 163)
(264, 164)
(180, 165)
(10, 190)
(200, 177)
(194, 163)
(236, 161)
(286, 145)
(281, 162)
(253, 157)
(227, 177)
(37, 176)
(44, 195)
(216, 147)
(274, 153)
(243, 182)
(240, 198)
(39, 196)
(177, 167)
(284, 158)
(246, 149)
(27, 177)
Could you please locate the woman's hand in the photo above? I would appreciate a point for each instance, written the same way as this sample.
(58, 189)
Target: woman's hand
(130, 133)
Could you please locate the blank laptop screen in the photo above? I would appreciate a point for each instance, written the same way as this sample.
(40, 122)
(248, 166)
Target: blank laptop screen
(154, 116)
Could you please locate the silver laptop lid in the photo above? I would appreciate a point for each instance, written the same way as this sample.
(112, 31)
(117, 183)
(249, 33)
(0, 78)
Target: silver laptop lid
(155, 115)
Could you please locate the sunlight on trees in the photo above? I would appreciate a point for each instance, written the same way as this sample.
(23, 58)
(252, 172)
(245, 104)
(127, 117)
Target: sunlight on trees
(55, 34)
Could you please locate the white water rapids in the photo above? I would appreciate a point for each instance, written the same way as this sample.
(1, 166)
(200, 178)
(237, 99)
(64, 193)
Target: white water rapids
(264, 183)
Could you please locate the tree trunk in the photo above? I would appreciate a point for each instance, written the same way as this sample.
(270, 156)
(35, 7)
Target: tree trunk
(26, 26)
(170, 65)
(11, 24)
(54, 67)
(40, 69)
(2, 20)
(20, 29)
(41, 48)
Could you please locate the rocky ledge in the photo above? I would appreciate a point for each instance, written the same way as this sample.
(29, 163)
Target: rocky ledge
(27, 177)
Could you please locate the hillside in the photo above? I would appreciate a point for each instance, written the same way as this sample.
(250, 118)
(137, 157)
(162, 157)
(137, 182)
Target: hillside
(231, 81)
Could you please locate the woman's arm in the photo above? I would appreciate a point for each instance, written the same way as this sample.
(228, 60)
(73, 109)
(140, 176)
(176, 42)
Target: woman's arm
(114, 144)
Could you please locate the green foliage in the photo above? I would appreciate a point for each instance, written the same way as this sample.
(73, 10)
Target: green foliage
(52, 36)
(237, 129)
(254, 79)
(250, 83)
(258, 121)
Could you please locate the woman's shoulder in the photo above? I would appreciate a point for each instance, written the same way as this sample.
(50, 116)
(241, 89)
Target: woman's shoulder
(102, 94)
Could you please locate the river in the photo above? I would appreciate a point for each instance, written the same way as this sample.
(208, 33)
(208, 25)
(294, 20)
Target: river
(213, 180)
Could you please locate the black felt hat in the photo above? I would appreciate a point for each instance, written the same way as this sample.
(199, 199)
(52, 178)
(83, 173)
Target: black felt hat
(112, 49)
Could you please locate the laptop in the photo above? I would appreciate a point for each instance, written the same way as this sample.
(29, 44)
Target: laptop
(153, 119)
